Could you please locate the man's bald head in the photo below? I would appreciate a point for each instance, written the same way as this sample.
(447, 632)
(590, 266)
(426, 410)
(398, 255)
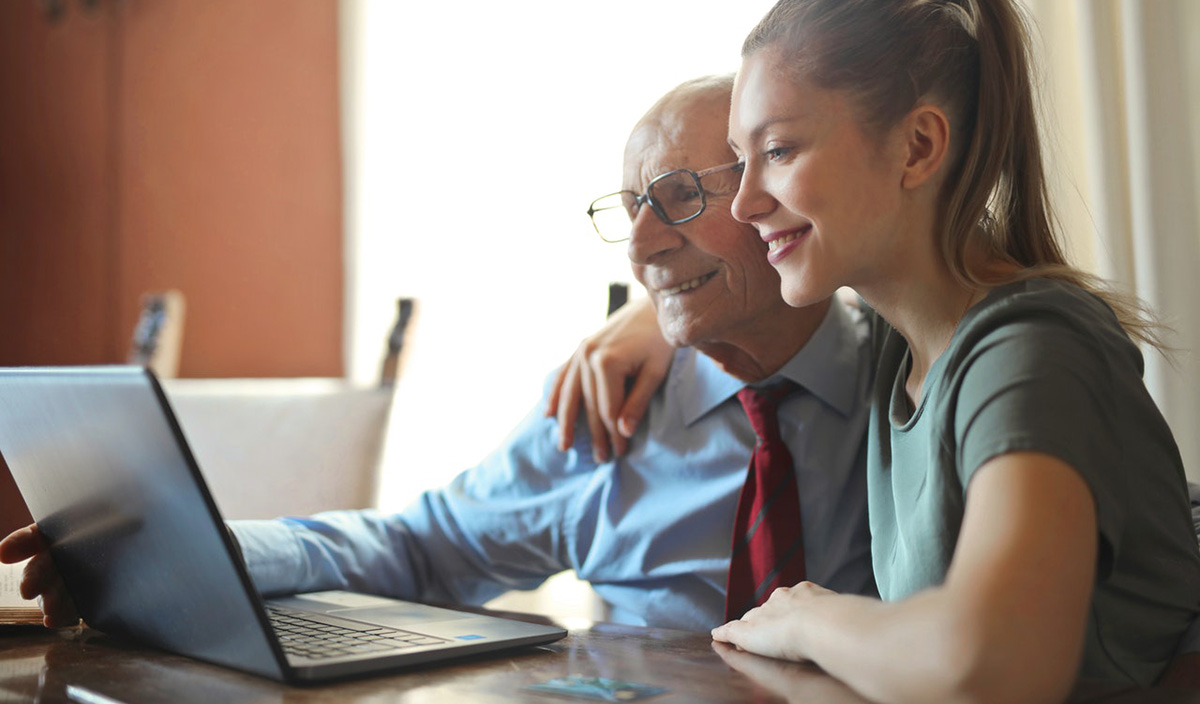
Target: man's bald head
(684, 114)
(708, 95)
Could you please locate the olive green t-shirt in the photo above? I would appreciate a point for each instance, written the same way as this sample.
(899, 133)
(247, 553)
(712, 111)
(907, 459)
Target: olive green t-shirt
(1043, 366)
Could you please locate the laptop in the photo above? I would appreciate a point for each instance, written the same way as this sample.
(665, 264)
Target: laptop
(104, 467)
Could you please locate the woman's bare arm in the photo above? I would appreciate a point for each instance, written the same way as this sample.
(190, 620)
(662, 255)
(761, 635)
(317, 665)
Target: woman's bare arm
(1007, 625)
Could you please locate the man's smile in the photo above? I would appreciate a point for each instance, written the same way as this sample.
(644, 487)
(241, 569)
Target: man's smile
(687, 285)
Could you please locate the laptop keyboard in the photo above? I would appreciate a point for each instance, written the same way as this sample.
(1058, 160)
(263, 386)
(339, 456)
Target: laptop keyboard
(314, 636)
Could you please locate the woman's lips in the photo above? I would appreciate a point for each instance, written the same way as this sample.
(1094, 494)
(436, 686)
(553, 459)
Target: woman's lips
(782, 242)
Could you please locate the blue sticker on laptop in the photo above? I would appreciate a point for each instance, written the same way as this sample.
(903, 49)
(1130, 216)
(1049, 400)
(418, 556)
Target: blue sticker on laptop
(599, 689)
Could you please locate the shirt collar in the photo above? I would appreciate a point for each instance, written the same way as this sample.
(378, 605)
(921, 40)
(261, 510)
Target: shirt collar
(827, 366)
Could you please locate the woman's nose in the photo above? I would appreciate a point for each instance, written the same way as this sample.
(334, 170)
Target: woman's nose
(752, 202)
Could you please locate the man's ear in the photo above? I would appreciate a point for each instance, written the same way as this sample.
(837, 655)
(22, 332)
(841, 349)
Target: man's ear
(927, 142)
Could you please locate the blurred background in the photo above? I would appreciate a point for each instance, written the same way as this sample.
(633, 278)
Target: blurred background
(293, 167)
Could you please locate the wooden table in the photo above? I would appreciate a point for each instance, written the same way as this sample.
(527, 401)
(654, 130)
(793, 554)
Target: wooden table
(37, 665)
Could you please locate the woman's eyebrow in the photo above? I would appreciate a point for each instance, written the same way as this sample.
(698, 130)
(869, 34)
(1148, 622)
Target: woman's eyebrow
(756, 133)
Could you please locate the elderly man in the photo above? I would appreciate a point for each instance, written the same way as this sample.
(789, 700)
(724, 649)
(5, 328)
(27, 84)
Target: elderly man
(651, 530)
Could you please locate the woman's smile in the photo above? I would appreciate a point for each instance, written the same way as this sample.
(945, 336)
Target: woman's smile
(781, 243)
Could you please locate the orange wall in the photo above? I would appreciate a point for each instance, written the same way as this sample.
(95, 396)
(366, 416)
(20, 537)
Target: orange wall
(56, 293)
(152, 144)
(172, 144)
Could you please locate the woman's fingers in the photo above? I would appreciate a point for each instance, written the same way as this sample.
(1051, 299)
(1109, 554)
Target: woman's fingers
(595, 421)
(567, 395)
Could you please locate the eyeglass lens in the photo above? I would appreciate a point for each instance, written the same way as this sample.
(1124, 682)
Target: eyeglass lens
(676, 197)
(611, 217)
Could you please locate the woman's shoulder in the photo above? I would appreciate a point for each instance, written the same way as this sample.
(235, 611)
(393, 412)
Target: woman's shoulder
(1043, 304)
(1046, 316)
(1041, 294)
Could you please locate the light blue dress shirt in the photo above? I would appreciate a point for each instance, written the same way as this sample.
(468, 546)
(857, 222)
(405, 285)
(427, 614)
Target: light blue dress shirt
(650, 531)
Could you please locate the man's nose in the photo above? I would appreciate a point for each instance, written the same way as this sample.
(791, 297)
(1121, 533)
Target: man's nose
(649, 236)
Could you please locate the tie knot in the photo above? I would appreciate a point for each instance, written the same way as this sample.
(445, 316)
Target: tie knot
(760, 405)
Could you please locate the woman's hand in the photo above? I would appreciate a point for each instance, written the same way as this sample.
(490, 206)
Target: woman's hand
(792, 682)
(612, 375)
(41, 580)
(775, 628)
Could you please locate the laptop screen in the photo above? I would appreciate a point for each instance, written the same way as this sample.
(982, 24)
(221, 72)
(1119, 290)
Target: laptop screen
(97, 456)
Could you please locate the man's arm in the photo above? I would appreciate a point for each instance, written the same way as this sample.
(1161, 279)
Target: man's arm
(495, 527)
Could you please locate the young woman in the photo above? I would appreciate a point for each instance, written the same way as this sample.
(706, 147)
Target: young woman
(1029, 512)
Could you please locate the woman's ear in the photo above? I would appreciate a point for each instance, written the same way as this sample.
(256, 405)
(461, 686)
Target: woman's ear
(927, 142)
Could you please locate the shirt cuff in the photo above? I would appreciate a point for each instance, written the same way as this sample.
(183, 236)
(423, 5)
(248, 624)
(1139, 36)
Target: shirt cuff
(272, 554)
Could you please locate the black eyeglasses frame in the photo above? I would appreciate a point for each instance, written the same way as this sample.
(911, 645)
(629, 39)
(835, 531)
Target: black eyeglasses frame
(647, 199)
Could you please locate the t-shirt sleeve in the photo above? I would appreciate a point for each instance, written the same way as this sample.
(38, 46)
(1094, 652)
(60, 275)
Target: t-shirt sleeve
(1043, 385)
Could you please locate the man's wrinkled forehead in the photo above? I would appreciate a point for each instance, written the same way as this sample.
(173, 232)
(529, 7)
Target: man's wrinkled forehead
(653, 148)
(689, 137)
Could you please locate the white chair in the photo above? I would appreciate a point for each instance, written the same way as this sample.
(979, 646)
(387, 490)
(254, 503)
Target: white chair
(274, 447)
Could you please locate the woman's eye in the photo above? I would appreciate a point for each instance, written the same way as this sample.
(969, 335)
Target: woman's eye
(776, 153)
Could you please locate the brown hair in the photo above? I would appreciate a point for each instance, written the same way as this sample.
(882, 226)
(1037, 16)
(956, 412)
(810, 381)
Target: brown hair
(970, 58)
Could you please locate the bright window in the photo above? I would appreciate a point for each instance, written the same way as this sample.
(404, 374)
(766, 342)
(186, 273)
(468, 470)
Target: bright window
(477, 134)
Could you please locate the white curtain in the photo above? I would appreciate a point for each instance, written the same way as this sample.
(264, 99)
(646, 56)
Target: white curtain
(1121, 79)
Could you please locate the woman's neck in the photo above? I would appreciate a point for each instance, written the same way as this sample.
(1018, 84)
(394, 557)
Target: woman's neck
(926, 314)
(925, 302)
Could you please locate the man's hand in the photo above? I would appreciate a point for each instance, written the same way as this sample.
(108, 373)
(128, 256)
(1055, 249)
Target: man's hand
(41, 580)
(612, 376)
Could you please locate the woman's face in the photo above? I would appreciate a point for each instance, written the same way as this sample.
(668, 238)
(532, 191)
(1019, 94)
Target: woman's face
(823, 194)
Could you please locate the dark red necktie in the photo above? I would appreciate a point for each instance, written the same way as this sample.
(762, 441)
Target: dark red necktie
(768, 543)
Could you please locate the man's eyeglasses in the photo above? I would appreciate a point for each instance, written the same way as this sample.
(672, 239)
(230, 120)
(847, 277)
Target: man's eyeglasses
(675, 197)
